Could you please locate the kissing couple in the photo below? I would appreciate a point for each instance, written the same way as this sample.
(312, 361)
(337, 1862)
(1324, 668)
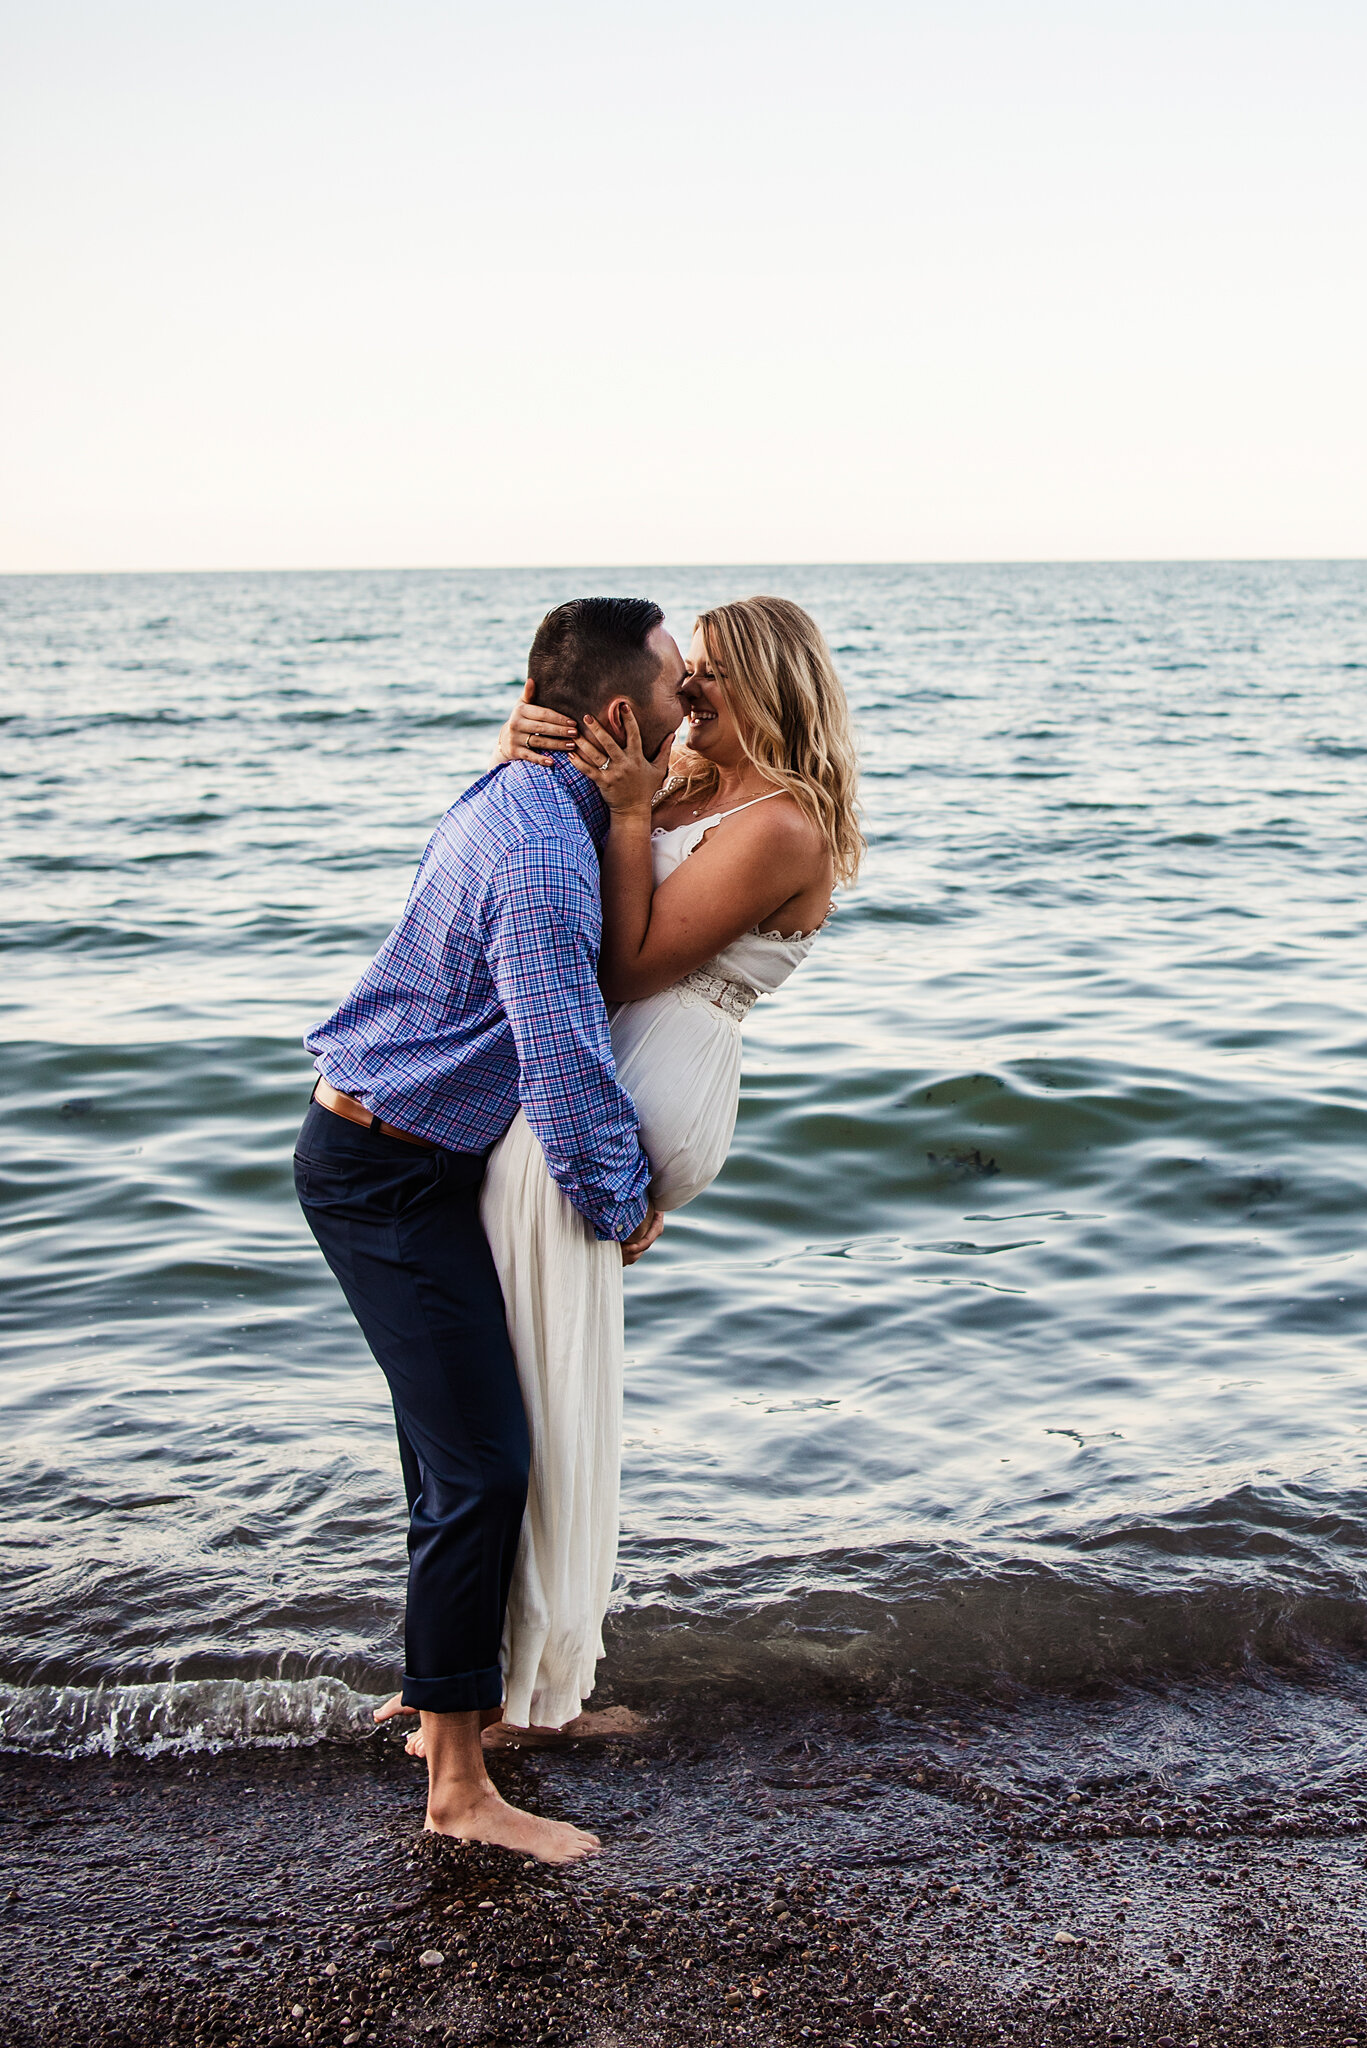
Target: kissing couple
(542, 1059)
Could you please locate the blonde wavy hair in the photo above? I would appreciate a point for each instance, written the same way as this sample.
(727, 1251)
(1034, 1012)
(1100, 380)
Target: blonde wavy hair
(775, 670)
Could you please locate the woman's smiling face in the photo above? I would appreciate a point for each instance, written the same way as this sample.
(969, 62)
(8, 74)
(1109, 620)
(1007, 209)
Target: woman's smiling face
(711, 726)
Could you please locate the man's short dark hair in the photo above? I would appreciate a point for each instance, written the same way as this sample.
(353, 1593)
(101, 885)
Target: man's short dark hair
(594, 648)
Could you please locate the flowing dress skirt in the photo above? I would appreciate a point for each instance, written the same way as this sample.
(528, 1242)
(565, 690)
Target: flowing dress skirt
(678, 1057)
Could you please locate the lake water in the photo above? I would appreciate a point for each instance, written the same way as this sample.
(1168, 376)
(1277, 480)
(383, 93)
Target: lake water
(1023, 1333)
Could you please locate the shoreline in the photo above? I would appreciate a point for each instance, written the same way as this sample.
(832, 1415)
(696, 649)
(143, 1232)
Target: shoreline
(1162, 1867)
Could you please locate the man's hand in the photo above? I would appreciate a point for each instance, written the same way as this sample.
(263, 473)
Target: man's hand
(643, 1236)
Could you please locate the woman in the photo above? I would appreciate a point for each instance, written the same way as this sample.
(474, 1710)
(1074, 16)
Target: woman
(717, 875)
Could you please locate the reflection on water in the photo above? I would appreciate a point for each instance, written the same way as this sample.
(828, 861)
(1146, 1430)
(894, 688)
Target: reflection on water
(1024, 1329)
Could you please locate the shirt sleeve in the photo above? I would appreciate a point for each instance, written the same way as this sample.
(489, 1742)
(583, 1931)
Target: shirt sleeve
(543, 924)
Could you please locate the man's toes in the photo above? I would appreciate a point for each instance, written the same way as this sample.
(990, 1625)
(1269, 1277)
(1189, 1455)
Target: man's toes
(582, 1845)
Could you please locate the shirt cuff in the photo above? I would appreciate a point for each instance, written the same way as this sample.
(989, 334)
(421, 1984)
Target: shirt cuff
(625, 1218)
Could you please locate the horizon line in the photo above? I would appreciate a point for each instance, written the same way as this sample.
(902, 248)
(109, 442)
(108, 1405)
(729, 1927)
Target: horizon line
(755, 562)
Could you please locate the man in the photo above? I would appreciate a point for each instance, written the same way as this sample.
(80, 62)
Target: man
(482, 1000)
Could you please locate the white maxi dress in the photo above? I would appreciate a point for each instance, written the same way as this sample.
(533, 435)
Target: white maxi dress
(678, 1057)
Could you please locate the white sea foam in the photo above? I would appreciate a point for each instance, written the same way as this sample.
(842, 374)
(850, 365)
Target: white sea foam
(179, 1717)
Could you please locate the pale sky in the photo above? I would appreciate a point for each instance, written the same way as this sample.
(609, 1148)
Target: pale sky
(290, 284)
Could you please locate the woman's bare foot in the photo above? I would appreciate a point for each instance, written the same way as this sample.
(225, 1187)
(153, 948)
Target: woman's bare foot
(608, 1721)
(583, 1728)
(487, 1817)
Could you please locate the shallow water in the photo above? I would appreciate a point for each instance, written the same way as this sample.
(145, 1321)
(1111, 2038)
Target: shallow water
(1022, 1333)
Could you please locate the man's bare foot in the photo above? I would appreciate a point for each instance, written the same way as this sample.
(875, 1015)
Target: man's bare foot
(464, 1804)
(490, 1718)
(494, 1735)
(486, 1817)
(392, 1706)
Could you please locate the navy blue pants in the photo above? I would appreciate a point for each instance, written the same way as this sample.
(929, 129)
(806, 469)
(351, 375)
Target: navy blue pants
(400, 1228)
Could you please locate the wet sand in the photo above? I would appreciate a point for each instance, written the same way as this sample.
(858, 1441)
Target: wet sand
(1174, 1867)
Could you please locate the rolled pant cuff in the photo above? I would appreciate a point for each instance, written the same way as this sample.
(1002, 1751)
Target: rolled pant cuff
(466, 1693)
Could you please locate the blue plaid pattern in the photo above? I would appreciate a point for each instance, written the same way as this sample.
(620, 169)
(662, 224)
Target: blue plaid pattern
(485, 995)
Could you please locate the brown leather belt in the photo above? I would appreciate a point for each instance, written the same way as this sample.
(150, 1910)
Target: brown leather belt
(328, 1097)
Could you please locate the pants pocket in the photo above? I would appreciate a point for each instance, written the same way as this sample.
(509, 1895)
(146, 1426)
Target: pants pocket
(379, 1188)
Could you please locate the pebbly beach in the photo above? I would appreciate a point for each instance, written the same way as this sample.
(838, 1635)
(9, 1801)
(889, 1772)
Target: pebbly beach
(1166, 1866)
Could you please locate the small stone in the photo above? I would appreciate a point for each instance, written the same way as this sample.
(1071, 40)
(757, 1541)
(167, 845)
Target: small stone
(431, 1959)
(350, 2040)
(330, 1969)
(296, 2012)
(1065, 1939)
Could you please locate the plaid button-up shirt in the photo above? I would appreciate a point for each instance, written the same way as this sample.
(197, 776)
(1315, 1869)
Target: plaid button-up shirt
(484, 998)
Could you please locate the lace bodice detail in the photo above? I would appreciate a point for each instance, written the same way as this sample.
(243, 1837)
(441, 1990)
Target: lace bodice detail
(757, 962)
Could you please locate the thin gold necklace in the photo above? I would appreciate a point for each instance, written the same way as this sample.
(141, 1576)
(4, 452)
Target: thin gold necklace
(667, 790)
(697, 811)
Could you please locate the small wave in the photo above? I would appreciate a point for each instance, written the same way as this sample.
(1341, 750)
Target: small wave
(95, 721)
(347, 714)
(178, 1717)
(854, 1625)
(849, 1627)
(470, 720)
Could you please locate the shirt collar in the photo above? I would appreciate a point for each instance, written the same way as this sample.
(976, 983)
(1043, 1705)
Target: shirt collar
(586, 796)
